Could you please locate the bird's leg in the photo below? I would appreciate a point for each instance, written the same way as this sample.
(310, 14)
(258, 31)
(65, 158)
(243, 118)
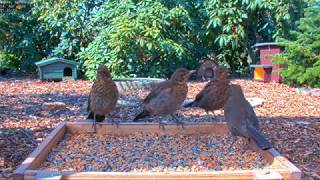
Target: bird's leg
(94, 124)
(248, 142)
(177, 121)
(233, 139)
(113, 122)
(207, 112)
(161, 125)
(251, 145)
(213, 114)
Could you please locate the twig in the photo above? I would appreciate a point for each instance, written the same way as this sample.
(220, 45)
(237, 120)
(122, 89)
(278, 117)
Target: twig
(30, 137)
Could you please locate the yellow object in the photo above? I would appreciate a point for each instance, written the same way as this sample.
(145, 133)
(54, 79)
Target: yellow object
(259, 73)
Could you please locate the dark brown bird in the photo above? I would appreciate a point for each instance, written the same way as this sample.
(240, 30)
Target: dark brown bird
(103, 96)
(215, 94)
(166, 98)
(241, 118)
(206, 69)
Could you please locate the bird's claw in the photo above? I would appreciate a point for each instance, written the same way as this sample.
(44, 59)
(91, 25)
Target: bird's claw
(117, 123)
(180, 123)
(161, 125)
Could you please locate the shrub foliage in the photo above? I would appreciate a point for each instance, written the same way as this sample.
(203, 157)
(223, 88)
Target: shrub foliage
(152, 38)
(302, 51)
(143, 37)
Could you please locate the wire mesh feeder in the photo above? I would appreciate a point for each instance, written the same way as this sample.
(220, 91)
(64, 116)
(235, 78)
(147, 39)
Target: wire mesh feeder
(133, 84)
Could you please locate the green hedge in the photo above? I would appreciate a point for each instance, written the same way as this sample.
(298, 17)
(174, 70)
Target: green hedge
(302, 51)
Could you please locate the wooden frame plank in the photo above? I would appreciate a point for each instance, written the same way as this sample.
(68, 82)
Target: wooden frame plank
(27, 170)
(36, 158)
(129, 128)
(238, 174)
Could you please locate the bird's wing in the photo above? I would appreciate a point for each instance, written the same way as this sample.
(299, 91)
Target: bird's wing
(89, 98)
(251, 115)
(203, 92)
(162, 103)
(164, 86)
(232, 114)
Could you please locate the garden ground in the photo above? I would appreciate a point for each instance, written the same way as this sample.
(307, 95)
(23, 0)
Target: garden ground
(290, 120)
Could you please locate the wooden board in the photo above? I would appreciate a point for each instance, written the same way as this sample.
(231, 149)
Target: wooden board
(28, 169)
(40, 154)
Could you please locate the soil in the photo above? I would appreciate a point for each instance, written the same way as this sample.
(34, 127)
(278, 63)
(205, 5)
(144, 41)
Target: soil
(290, 120)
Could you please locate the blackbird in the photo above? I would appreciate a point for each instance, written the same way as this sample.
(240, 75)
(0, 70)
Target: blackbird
(206, 69)
(103, 96)
(215, 94)
(241, 118)
(166, 98)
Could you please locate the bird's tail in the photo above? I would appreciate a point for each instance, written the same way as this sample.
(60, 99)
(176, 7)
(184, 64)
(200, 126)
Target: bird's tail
(143, 114)
(99, 118)
(189, 104)
(261, 141)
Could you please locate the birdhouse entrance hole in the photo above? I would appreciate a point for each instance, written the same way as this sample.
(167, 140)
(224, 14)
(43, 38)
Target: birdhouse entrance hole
(67, 71)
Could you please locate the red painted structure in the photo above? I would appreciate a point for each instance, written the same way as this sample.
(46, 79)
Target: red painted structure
(262, 72)
(267, 51)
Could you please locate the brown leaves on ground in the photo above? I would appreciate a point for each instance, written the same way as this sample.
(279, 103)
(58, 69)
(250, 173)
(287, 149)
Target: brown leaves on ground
(290, 120)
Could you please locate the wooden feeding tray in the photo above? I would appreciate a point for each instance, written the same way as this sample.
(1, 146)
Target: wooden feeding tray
(280, 168)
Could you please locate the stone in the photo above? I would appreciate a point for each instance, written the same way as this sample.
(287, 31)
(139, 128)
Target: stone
(125, 102)
(255, 102)
(307, 91)
(52, 106)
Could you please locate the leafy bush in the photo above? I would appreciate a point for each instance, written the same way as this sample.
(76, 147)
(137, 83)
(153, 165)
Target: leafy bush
(64, 25)
(302, 52)
(145, 37)
(152, 38)
(8, 61)
(19, 46)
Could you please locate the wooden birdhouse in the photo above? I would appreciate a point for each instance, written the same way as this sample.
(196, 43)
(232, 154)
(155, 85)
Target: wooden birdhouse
(267, 70)
(57, 69)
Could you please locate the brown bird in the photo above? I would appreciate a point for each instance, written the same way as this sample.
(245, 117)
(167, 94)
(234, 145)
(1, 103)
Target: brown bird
(103, 96)
(215, 94)
(166, 98)
(206, 69)
(242, 120)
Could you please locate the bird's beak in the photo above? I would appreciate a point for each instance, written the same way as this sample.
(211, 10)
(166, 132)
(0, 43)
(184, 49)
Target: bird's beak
(229, 73)
(191, 72)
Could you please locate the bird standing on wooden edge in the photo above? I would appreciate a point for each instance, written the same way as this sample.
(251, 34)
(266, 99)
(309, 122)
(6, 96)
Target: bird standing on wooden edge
(103, 96)
(242, 120)
(167, 97)
(215, 94)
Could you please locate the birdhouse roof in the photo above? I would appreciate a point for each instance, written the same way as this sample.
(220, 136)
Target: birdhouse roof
(261, 66)
(267, 44)
(54, 60)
